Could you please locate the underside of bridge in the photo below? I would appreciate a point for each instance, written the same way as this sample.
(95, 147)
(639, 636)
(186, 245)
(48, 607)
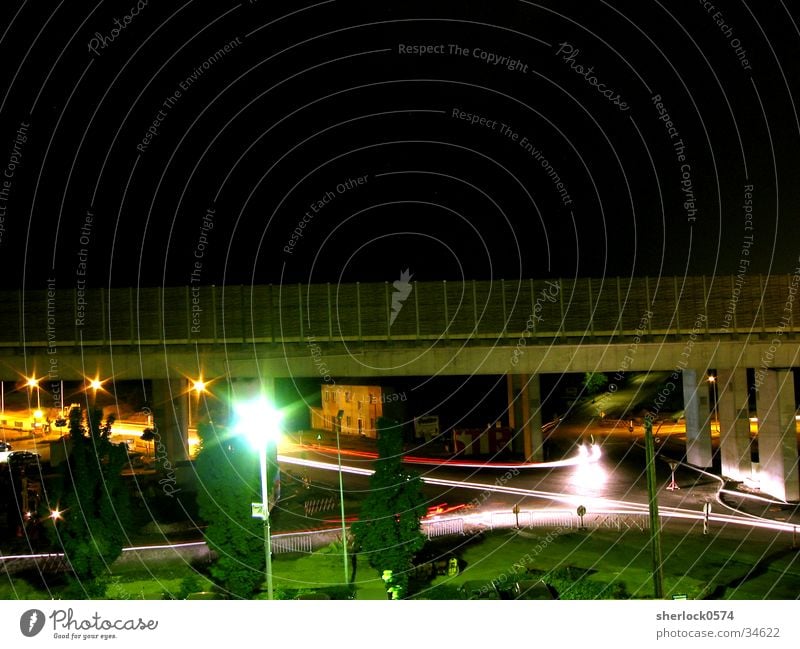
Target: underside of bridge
(773, 469)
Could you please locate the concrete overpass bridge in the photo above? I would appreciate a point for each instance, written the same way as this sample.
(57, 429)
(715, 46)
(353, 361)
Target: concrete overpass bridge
(518, 328)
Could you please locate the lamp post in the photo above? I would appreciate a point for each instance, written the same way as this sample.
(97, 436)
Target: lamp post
(198, 387)
(261, 423)
(341, 507)
(34, 383)
(655, 529)
(712, 379)
(95, 384)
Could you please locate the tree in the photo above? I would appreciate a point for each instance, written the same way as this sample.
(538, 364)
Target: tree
(230, 480)
(148, 435)
(593, 382)
(388, 529)
(92, 502)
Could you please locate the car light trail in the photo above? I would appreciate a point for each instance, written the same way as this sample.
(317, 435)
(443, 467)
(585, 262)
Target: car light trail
(594, 504)
(585, 454)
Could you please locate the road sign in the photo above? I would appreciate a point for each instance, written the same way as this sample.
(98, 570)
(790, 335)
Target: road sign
(257, 510)
(672, 486)
(581, 511)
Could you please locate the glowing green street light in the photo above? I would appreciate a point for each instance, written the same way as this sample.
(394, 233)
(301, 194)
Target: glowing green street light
(260, 423)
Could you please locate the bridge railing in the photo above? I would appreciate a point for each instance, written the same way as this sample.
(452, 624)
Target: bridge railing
(556, 309)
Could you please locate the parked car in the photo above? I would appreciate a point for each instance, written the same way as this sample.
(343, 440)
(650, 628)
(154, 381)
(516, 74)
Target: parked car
(5, 451)
(22, 458)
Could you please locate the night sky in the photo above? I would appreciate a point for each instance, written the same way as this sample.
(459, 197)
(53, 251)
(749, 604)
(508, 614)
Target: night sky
(173, 143)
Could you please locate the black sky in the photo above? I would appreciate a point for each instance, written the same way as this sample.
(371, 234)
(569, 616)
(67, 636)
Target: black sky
(311, 95)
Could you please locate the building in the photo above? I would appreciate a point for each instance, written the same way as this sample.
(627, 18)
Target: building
(352, 409)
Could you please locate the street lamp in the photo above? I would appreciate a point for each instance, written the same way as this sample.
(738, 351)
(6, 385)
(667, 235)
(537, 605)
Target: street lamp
(652, 498)
(34, 383)
(260, 422)
(198, 387)
(712, 379)
(95, 384)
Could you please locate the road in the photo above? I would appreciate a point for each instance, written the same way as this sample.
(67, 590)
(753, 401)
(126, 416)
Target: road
(614, 481)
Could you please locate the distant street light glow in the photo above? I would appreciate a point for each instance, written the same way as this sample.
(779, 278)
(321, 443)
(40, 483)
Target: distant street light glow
(33, 382)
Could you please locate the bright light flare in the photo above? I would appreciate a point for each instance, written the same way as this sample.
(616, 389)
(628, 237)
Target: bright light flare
(589, 476)
(32, 383)
(56, 515)
(587, 454)
(258, 421)
(38, 414)
(199, 386)
(95, 384)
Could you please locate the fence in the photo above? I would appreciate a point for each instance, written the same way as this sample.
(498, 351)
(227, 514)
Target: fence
(306, 542)
(566, 520)
(446, 527)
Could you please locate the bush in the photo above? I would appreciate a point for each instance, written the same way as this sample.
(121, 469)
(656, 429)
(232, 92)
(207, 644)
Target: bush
(573, 583)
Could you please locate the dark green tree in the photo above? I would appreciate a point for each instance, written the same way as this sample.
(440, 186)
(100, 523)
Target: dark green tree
(230, 480)
(93, 502)
(148, 435)
(593, 382)
(388, 530)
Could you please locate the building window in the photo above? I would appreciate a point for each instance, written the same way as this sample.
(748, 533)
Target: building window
(360, 403)
(347, 396)
(349, 421)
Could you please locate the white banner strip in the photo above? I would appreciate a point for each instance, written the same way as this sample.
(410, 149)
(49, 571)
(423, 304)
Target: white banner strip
(399, 624)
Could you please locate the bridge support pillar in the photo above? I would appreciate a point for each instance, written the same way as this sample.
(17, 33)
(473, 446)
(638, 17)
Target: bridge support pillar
(532, 418)
(171, 416)
(734, 423)
(514, 383)
(777, 440)
(698, 424)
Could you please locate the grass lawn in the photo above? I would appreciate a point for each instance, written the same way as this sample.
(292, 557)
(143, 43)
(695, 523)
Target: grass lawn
(695, 565)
